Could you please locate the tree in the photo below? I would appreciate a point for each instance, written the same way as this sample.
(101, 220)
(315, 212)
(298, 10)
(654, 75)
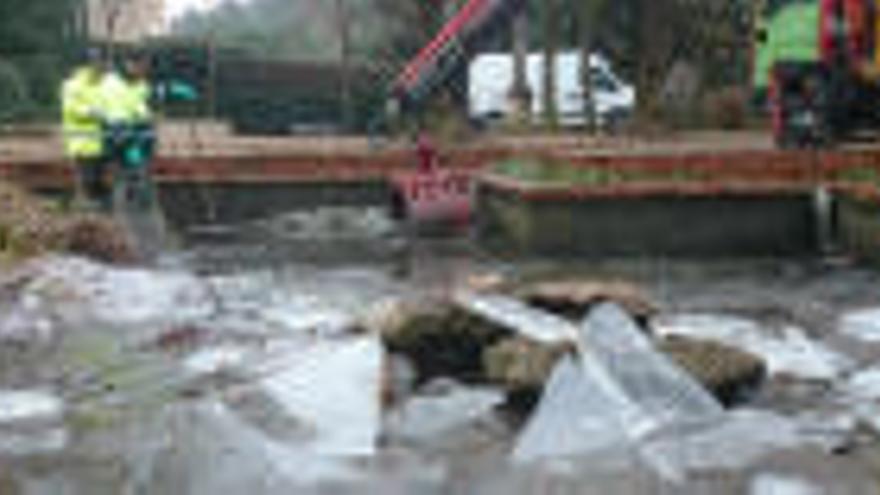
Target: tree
(588, 18)
(520, 94)
(14, 97)
(30, 27)
(344, 25)
(550, 16)
(36, 39)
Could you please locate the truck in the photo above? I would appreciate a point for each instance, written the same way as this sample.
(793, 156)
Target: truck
(490, 78)
(818, 63)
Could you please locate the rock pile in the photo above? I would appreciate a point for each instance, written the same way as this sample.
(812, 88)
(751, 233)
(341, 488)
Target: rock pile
(442, 339)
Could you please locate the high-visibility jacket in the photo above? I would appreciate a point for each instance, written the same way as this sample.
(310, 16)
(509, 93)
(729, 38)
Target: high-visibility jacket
(81, 108)
(125, 101)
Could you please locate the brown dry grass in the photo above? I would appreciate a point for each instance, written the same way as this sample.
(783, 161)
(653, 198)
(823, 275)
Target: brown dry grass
(31, 226)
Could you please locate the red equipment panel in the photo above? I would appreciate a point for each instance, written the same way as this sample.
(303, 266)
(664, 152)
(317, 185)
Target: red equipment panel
(436, 195)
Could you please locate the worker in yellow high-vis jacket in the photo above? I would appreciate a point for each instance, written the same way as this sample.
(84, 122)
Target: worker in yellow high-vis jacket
(82, 116)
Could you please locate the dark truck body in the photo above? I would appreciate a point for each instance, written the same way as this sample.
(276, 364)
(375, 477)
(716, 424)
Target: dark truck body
(281, 97)
(270, 97)
(819, 64)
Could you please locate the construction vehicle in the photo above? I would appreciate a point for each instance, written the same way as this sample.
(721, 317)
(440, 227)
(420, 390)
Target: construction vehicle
(430, 194)
(447, 54)
(818, 62)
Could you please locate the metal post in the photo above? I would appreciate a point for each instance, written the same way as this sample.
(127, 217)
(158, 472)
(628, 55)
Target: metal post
(343, 22)
(587, 23)
(520, 94)
(551, 13)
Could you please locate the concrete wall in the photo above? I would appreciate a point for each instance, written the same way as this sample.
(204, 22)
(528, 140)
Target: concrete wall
(858, 227)
(654, 225)
(192, 204)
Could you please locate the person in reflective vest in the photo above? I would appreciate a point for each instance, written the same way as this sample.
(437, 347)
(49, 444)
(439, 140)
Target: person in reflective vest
(129, 132)
(82, 117)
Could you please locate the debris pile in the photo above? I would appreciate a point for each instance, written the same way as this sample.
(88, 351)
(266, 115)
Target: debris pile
(30, 226)
(515, 341)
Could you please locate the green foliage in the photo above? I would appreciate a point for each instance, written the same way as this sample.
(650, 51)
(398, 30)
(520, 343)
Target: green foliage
(14, 96)
(549, 172)
(28, 26)
(865, 175)
(304, 30)
(37, 39)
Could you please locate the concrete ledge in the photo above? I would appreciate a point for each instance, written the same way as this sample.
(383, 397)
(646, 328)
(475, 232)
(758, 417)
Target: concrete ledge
(693, 220)
(858, 222)
(189, 204)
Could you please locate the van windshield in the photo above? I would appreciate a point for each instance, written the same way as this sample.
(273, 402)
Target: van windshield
(602, 80)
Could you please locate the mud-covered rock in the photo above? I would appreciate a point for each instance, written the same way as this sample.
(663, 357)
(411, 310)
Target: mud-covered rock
(521, 367)
(573, 298)
(729, 373)
(521, 364)
(441, 340)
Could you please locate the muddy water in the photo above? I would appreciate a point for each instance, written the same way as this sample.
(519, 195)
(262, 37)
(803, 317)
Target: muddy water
(144, 411)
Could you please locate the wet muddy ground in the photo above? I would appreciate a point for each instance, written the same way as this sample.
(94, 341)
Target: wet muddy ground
(185, 382)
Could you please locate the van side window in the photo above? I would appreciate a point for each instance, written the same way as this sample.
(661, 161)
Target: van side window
(602, 81)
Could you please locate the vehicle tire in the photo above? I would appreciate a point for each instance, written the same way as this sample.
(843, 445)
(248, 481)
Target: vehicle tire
(398, 206)
(616, 120)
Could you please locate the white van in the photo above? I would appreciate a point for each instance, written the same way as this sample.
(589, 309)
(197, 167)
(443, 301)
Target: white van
(490, 77)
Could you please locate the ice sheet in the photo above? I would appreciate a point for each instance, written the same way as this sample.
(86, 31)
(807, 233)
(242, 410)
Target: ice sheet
(863, 324)
(335, 388)
(427, 417)
(779, 484)
(537, 325)
(618, 391)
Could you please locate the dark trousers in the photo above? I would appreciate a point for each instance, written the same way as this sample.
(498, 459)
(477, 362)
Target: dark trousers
(132, 182)
(95, 181)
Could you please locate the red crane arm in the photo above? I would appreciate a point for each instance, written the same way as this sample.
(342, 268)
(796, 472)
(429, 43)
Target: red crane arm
(467, 17)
